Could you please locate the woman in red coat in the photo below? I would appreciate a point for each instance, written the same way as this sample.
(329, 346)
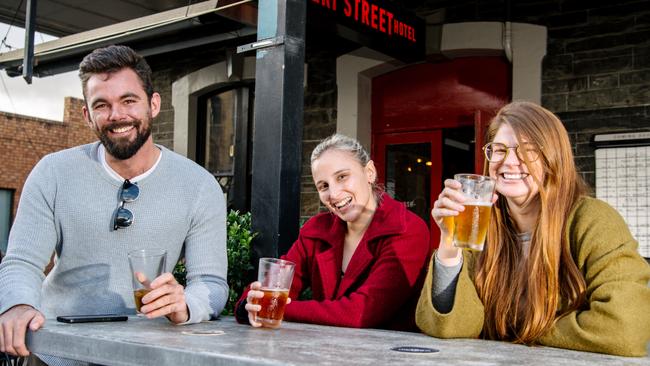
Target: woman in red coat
(365, 260)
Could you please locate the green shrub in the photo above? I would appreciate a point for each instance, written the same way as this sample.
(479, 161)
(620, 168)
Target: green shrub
(239, 237)
(180, 272)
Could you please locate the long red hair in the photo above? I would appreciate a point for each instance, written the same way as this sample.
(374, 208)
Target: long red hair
(522, 295)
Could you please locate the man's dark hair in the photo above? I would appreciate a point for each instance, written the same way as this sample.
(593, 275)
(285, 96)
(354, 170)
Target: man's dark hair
(114, 58)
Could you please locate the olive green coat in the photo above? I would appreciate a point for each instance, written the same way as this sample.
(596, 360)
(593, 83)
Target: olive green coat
(617, 319)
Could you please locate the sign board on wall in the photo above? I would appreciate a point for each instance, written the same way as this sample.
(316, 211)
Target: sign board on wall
(623, 180)
(378, 24)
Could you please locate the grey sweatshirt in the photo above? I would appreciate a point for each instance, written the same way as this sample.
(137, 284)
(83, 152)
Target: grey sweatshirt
(445, 278)
(67, 206)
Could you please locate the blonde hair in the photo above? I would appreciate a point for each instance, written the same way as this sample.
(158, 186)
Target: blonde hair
(526, 308)
(347, 144)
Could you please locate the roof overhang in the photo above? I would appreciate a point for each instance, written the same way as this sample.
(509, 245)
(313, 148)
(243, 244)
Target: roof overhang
(198, 24)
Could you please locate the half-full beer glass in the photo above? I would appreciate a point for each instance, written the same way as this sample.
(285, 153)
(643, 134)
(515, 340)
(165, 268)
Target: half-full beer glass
(470, 226)
(275, 275)
(146, 265)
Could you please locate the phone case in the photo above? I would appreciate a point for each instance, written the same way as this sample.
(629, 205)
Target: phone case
(91, 318)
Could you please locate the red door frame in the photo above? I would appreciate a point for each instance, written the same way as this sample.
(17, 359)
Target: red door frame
(434, 137)
(481, 122)
(380, 141)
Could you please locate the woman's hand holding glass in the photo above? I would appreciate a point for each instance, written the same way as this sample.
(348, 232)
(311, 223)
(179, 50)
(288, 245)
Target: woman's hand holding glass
(449, 204)
(255, 292)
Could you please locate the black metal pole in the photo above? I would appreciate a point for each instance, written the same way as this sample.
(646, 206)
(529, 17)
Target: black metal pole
(30, 24)
(277, 136)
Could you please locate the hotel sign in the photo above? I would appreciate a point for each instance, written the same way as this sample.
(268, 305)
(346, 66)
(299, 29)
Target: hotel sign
(378, 24)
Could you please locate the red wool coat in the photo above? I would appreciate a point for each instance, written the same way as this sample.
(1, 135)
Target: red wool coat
(383, 279)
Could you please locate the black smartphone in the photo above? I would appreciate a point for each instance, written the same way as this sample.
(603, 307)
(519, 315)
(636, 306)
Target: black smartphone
(91, 318)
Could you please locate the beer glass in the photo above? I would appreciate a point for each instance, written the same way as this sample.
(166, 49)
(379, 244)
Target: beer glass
(146, 265)
(275, 275)
(470, 226)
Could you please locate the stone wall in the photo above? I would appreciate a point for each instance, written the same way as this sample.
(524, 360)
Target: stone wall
(596, 74)
(320, 120)
(166, 70)
(319, 110)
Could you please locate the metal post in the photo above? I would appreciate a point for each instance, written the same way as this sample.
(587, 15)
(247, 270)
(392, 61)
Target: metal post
(277, 136)
(30, 24)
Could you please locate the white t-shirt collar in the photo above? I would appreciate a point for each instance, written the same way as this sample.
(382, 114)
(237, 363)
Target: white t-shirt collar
(101, 154)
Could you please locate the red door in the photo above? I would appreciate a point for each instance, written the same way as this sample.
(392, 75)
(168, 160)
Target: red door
(428, 123)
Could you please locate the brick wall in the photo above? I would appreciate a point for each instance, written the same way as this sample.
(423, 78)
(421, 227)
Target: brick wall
(25, 140)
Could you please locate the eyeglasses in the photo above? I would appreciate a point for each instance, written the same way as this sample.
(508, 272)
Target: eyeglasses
(496, 152)
(123, 218)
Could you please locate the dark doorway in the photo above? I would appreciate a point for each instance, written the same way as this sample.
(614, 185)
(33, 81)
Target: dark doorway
(223, 141)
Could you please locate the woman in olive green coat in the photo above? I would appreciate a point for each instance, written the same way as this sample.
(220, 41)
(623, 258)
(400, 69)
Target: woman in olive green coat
(559, 268)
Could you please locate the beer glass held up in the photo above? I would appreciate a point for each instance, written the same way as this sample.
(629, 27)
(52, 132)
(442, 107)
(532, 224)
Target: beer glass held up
(275, 275)
(470, 226)
(146, 265)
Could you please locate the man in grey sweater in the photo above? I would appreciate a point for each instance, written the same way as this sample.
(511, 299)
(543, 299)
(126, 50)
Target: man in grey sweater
(80, 204)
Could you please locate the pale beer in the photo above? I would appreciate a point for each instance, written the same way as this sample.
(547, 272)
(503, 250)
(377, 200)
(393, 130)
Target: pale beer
(273, 304)
(146, 265)
(138, 295)
(470, 226)
(472, 223)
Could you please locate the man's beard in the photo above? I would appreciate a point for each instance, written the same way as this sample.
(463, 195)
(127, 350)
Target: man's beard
(123, 150)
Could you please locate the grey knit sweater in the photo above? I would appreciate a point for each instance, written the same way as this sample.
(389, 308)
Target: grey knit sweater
(67, 206)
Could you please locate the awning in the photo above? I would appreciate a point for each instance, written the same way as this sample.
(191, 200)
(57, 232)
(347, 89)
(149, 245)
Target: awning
(189, 26)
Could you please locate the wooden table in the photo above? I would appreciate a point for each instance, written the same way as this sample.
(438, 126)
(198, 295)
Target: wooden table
(224, 342)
